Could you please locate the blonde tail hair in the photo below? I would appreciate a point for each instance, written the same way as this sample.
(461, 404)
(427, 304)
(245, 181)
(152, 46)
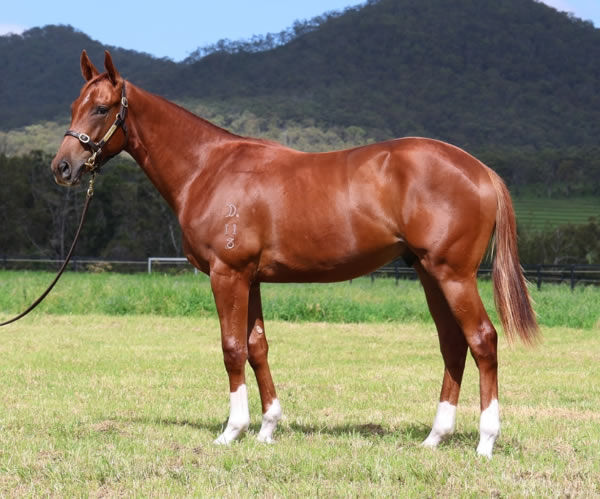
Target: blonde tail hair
(510, 288)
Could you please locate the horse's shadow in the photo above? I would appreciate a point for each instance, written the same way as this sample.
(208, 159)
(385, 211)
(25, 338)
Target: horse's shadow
(212, 427)
(407, 434)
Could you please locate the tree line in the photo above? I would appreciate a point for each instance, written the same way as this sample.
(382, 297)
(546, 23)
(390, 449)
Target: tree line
(551, 171)
(128, 220)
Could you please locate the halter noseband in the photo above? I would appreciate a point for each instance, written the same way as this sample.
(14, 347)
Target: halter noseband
(96, 147)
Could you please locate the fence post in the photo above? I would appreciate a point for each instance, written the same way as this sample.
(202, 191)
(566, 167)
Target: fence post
(539, 277)
(572, 277)
(396, 273)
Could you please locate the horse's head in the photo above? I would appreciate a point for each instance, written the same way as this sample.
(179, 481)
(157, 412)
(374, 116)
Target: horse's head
(97, 130)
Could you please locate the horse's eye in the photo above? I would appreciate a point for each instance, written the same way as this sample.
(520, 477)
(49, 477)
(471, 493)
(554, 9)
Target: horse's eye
(101, 110)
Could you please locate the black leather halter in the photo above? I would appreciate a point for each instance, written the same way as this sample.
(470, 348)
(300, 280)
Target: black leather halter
(92, 162)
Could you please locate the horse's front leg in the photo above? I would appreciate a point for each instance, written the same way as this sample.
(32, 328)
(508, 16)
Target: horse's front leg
(231, 292)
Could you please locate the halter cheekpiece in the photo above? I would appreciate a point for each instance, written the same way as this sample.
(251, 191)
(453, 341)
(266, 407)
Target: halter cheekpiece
(96, 147)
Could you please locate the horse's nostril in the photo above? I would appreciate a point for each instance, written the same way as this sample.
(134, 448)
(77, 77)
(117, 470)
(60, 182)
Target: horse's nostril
(65, 169)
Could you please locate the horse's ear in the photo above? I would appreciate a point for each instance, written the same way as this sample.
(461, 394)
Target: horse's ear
(88, 70)
(112, 72)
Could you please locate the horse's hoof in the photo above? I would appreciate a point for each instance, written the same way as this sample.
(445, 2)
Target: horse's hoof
(485, 450)
(266, 439)
(221, 440)
(429, 443)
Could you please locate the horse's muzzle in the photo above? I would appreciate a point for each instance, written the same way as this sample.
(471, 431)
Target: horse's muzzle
(66, 174)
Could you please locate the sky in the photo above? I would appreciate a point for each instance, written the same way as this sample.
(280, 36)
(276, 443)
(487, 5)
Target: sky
(177, 30)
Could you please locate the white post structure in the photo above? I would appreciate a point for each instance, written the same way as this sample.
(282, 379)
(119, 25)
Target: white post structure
(166, 259)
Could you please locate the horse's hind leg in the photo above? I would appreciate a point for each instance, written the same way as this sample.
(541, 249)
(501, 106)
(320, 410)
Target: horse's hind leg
(465, 303)
(454, 352)
(258, 350)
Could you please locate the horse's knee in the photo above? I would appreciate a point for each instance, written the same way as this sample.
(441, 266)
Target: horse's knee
(258, 348)
(235, 354)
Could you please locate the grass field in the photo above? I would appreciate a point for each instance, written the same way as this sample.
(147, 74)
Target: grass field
(187, 295)
(116, 386)
(97, 405)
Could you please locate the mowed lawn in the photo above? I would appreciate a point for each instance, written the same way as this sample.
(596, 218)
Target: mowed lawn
(129, 405)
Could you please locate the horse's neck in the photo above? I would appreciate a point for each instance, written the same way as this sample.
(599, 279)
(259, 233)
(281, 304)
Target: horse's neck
(169, 143)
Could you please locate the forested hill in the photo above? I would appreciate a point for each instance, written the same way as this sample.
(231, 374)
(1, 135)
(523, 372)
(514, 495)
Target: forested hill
(473, 72)
(40, 74)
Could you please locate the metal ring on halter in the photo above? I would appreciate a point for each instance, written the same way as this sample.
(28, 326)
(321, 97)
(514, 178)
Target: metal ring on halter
(90, 163)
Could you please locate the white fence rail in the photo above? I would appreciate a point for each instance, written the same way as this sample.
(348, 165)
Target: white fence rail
(159, 259)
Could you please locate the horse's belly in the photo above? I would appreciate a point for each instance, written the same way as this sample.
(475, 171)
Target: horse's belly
(319, 268)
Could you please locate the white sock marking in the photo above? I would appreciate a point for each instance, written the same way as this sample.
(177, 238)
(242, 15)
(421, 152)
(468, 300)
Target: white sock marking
(269, 422)
(489, 429)
(443, 424)
(239, 416)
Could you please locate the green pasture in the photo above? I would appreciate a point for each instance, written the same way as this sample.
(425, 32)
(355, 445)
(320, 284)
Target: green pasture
(105, 406)
(116, 387)
(189, 295)
(542, 213)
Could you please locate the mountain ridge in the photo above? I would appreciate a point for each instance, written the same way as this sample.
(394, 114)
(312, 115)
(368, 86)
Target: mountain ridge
(474, 73)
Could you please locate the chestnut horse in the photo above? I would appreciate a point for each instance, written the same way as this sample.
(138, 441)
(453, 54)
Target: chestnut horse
(255, 211)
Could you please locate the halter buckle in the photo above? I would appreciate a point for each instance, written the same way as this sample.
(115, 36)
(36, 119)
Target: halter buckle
(84, 138)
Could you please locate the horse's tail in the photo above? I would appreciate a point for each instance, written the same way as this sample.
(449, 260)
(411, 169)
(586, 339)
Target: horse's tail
(510, 288)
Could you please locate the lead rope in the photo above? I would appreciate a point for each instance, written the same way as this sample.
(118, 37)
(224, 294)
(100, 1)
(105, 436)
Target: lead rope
(88, 198)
